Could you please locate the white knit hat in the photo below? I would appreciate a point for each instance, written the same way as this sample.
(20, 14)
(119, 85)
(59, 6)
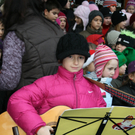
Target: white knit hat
(112, 37)
(83, 11)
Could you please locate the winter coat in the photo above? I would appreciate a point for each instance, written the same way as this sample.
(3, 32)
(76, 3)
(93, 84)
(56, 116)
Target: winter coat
(63, 88)
(116, 83)
(90, 31)
(40, 37)
(78, 29)
(128, 88)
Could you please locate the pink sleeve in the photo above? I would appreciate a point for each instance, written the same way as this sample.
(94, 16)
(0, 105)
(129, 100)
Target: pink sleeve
(101, 101)
(23, 104)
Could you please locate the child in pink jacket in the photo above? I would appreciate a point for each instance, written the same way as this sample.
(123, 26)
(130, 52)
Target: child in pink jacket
(67, 87)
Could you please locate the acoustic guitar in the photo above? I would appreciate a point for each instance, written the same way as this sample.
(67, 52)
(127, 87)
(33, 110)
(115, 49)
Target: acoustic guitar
(50, 118)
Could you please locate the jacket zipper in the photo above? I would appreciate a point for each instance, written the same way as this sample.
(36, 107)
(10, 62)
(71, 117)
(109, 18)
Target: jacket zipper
(75, 91)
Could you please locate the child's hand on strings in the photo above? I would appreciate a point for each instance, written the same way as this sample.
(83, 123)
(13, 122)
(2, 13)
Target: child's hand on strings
(46, 130)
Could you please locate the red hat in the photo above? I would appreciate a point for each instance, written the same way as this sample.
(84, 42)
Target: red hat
(62, 15)
(95, 39)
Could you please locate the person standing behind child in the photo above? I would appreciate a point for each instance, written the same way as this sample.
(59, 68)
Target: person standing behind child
(95, 23)
(67, 87)
(128, 86)
(130, 7)
(116, 83)
(62, 21)
(30, 43)
(111, 4)
(81, 18)
(107, 68)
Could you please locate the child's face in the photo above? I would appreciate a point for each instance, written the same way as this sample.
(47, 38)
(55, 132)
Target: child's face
(113, 8)
(67, 6)
(120, 47)
(107, 20)
(122, 24)
(131, 76)
(96, 23)
(131, 9)
(52, 15)
(78, 20)
(110, 68)
(62, 23)
(1, 30)
(91, 67)
(73, 63)
(122, 69)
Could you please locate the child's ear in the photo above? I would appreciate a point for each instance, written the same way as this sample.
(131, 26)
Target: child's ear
(130, 76)
(46, 12)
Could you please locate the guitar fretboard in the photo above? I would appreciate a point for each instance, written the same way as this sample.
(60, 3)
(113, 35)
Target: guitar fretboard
(120, 94)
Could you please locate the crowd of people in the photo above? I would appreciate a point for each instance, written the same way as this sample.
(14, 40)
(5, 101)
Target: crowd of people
(48, 47)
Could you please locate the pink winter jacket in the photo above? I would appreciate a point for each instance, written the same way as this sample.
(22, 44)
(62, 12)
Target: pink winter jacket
(63, 88)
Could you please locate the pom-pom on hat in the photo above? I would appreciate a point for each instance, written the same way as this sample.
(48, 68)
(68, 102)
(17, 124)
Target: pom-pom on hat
(70, 44)
(130, 2)
(95, 13)
(103, 54)
(62, 2)
(82, 12)
(126, 38)
(132, 19)
(106, 12)
(117, 17)
(121, 57)
(93, 7)
(108, 3)
(95, 39)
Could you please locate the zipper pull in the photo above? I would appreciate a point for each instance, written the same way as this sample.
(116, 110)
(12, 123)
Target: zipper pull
(74, 77)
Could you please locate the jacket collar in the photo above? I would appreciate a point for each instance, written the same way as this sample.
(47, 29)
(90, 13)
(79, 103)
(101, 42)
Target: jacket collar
(91, 31)
(66, 75)
(132, 84)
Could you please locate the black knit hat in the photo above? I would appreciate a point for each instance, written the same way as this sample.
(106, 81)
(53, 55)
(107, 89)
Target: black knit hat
(70, 44)
(62, 2)
(95, 13)
(117, 17)
(125, 41)
(106, 12)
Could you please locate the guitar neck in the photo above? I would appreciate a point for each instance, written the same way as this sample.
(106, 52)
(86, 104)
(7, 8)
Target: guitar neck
(120, 94)
(115, 92)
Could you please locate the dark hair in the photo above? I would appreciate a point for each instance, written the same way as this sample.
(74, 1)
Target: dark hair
(15, 11)
(52, 4)
(126, 79)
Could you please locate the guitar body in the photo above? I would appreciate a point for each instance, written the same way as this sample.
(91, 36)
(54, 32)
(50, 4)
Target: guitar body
(50, 118)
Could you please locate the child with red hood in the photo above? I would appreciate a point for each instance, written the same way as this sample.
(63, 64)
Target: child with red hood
(93, 40)
(62, 21)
